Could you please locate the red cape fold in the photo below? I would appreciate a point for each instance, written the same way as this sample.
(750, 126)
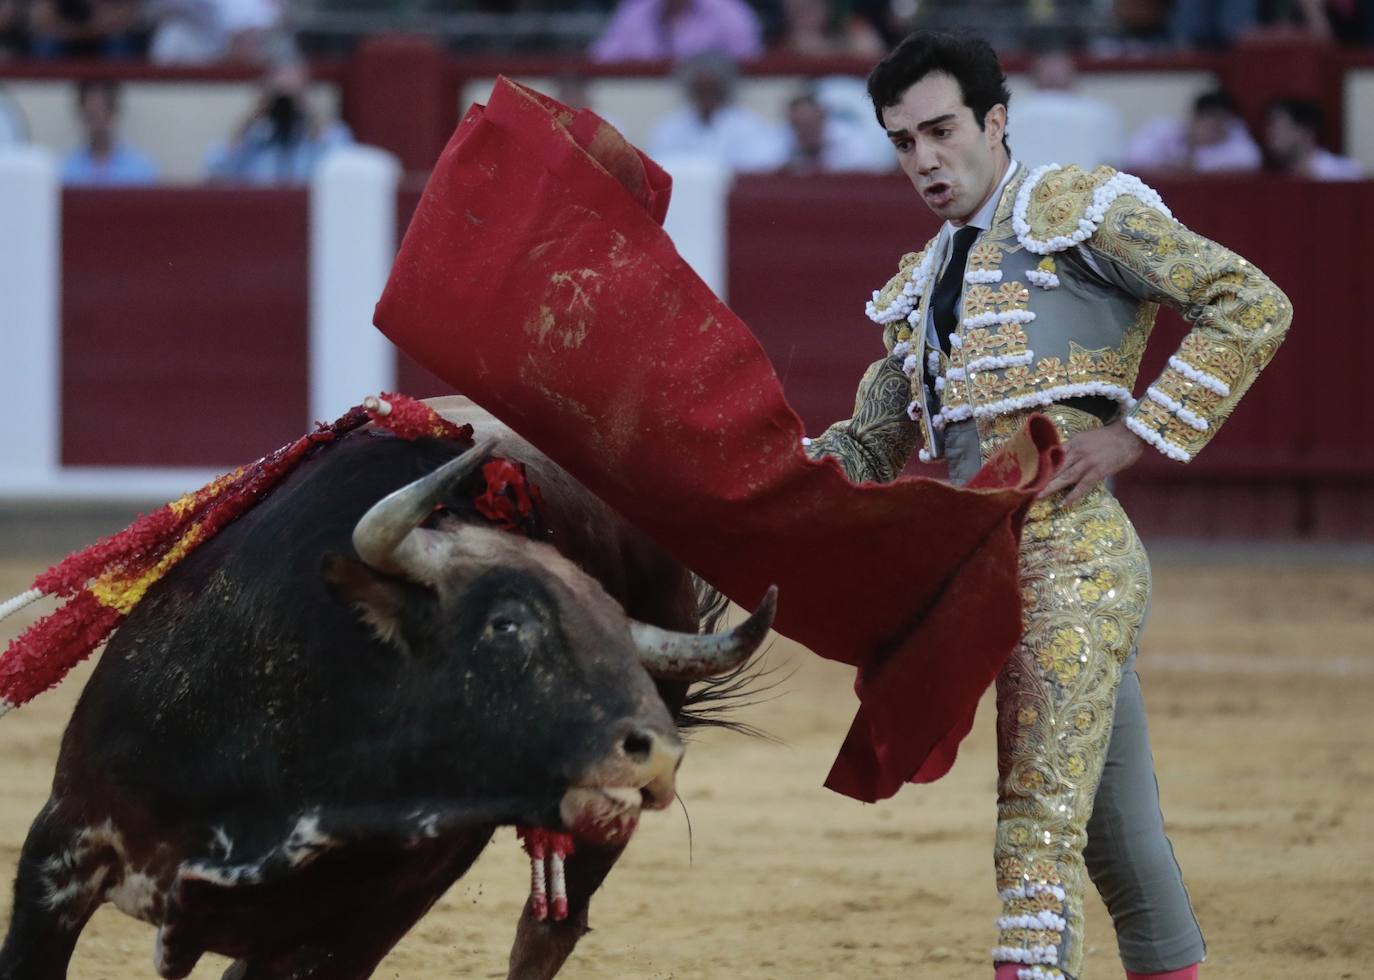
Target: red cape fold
(536, 278)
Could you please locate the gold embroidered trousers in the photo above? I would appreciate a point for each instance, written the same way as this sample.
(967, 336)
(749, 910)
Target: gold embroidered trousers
(1085, 583)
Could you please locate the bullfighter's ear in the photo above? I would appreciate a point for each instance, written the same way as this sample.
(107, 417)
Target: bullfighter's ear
(379, 600)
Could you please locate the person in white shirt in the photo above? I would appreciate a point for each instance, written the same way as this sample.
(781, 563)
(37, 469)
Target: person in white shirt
(1293, 129)
(1057, 122)
(819, 141)
(713, 126)
(1212, 140)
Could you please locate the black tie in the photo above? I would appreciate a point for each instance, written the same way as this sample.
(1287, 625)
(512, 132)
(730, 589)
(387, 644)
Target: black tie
(946, 295)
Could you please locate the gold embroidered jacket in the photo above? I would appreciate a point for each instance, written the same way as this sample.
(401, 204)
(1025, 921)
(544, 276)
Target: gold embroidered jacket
(1060, 295)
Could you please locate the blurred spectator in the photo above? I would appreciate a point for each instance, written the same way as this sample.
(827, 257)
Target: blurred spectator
(1143, 24)
(84, 28)
(13, 127)
(203, 31)
(1349, 22)
(818, 141)
(1213, 140)
(1212, 24)
(11, 29)
(649, 30)
(1293, 131)
(282, 141)
(712, 126)
(814, 28)
(1059, 124)
(103, 160)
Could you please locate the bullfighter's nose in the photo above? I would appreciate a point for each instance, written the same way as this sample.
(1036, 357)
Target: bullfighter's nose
(654, 758)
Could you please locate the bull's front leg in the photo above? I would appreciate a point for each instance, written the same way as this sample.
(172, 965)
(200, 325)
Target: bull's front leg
(542, 947)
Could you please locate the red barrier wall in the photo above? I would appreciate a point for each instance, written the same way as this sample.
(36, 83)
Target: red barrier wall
(185, 311)
(184, 321)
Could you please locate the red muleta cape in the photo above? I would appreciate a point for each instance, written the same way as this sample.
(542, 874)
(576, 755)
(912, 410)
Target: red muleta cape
(536, 278)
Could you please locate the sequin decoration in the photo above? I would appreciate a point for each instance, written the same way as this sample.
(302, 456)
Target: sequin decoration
(1085, 589)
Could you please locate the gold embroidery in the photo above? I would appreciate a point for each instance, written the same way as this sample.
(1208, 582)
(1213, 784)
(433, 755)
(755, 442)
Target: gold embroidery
(1238, 316)
(1089, 583)
(876, 443)
(986, 256)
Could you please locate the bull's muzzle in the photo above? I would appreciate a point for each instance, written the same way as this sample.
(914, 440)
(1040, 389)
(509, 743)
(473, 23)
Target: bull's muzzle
(640, 772)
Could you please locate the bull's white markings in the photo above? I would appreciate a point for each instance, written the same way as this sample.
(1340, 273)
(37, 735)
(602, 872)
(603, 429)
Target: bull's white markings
(220, 841)
(306, 841)
(137, 894)
(224, 877)
(429, 826)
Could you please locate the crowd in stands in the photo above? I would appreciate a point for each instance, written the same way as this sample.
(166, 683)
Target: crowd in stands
(207, 31)
(825, 126)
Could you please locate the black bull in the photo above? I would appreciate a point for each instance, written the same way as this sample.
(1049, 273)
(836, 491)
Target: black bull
(287, 754)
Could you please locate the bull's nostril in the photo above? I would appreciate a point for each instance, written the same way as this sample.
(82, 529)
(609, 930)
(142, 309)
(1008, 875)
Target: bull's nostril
(638, 745)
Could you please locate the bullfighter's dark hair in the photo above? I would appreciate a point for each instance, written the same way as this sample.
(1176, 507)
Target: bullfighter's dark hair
(963, 55)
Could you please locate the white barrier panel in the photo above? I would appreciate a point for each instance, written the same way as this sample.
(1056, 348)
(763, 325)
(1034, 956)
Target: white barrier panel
(697, 216)
(30, 222)
(352, 246)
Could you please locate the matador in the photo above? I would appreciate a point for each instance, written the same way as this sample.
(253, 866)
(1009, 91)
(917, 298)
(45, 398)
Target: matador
(1038, 294)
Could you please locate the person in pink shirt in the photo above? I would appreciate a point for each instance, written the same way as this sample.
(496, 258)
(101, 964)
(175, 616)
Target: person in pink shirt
(651, 30)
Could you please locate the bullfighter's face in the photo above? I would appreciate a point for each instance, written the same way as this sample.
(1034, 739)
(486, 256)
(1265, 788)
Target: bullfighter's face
(954, 163)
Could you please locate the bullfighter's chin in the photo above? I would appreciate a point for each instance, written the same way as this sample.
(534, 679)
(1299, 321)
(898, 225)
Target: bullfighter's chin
(601, 815)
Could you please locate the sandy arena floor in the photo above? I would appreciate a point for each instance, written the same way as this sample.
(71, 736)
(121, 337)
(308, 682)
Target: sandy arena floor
(1259, 675)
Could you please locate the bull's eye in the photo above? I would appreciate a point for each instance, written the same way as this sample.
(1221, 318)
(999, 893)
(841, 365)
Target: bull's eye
(505, 626)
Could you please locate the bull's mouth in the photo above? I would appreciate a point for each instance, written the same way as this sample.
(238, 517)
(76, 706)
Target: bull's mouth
(602, 814)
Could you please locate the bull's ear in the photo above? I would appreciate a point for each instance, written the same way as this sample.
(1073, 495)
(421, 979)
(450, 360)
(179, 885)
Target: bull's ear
(379, 599)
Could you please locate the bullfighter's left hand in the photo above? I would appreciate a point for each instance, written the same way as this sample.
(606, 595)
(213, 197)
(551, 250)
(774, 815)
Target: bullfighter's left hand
(1090, 457)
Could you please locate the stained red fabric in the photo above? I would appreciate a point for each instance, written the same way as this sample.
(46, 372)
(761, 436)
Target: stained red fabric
(536, 279)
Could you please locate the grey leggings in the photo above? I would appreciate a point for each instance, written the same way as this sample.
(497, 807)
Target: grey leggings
(1129, 858)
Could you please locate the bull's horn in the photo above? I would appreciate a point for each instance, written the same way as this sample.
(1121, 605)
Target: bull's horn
(693, 656)
(388, 538)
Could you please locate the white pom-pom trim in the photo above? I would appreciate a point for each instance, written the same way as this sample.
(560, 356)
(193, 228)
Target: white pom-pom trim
(1092, 216)
(1038, 973)
(910, 365)
(1191, 417)
(1045, 280)
(904, 304)
(1209, 381)
(901, 349)
(1034, 399)
(999, 361)
(913, 410)
(806, 440)
(933, 361)
(939, 384)
(1030, 891)
(1048, 955)
(979, 276)
(1040, 920)
(1158, 441)
(992, 319)
(924, 455)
